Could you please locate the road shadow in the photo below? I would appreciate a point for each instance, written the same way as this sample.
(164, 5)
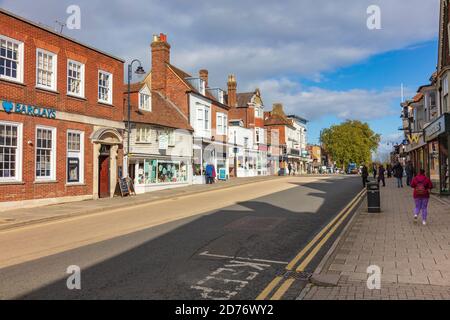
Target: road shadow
(167, 265)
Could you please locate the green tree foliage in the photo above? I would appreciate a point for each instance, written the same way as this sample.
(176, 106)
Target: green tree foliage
(350, 141)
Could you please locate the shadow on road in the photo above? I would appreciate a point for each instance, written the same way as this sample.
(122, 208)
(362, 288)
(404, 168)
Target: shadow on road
(168, 265)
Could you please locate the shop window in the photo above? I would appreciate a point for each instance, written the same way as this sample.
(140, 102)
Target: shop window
(45, 153)
(75, 157)
(444, 164)
(11, 59)
(46, 71)
(172, 172)
(10, 151)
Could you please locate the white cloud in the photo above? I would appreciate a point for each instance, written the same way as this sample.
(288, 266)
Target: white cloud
(313, 102)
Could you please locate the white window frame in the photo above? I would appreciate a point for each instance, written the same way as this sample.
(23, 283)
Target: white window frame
(54, 78)
(110, 96)
(19, 152)
(221, 123)
(20, 71)
(82, 77)
(202, 86)
(145, 92)
(143, 130)
(52, 176)
(171, 138)
(73, 154)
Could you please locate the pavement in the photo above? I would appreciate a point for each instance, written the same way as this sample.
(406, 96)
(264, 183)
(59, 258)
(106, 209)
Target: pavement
(20, 217)
(414, 259)
(227, 244)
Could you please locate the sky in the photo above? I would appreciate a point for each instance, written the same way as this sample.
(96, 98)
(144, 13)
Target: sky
(317, 57)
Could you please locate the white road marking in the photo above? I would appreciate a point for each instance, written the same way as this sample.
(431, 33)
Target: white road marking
(206, 253)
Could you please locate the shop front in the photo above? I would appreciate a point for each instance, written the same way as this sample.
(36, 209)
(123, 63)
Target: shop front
(208, 152)
(437, 137)
(151, 173)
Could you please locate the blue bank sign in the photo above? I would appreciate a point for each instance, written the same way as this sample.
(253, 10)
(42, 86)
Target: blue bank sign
(11, 107)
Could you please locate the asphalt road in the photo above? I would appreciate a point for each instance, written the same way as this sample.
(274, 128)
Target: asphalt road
(230, 253)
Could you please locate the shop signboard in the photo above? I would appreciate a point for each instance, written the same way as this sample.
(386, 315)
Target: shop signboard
(222, 174)
(28, 110)
(436, 128)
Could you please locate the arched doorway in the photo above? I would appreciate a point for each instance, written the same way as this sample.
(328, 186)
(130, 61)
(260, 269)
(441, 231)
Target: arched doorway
(106, 142)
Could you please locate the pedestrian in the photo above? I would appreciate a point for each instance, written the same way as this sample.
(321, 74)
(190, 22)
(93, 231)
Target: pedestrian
(389, 171)
(289, 168)
(410, 172)
(381, 172)
(398, 173)
(364, 174)
(422, 186)
(209, 173)
(374, 171)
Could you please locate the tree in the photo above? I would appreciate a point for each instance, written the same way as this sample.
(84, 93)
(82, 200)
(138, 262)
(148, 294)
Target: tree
(350, 142)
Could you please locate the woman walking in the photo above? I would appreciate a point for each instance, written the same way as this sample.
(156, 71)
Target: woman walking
(422, 186)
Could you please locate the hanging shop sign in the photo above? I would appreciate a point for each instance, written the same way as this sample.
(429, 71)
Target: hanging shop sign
(28, 110)
(436, 128)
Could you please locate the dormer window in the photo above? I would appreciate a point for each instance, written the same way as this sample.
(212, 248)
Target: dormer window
(202, 87)
(198, 84)
(145, 99)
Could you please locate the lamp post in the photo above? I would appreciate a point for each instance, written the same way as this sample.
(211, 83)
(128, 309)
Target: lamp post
(140, 71)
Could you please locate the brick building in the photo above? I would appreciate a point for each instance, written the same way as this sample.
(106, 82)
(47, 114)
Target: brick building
(203, 105)
(247, 108)
(61, 116)
(161, 136)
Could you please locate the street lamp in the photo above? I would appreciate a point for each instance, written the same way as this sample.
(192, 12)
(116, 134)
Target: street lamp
(139, 71)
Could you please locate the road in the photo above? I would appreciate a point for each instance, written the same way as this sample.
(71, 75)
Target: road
(225, 244)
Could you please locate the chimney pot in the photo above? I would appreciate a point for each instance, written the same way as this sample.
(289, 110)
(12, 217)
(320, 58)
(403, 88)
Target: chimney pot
(232, 95)
(160, 59)
(203, 74)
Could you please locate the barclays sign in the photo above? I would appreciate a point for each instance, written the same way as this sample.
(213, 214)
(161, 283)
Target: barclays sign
(18, 108)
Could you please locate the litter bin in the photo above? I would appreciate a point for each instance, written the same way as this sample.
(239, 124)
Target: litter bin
(373, 197)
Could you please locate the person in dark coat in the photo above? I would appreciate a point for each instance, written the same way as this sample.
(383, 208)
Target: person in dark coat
(289, 168)
(374, 171)
(389, 171)
(410, 172)
(381, 172)
(398, 173)
(364, 174)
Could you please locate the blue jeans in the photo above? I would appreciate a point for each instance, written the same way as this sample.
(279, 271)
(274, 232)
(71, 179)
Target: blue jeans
(400, 182)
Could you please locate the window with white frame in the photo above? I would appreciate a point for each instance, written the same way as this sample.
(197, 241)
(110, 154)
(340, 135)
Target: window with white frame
(143, 134)
(258, 112)
(45, 153)
(75, 78)
(207, 125)
(144, 99)
(202, 86)
(221, 120)
(10, 151)
(104, 87)
(259, 135)
(75, 156)
(11, 59)
(445, 94)
(46, 69)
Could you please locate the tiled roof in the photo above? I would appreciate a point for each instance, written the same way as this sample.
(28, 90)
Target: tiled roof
(183, 75)
(164, 112)
(276, 119)
(244, 98)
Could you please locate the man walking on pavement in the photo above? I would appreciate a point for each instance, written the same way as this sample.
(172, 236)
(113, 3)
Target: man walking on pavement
(422, 186)
(289, 168)
(364, 174)
(409, 169)
(398, 173)
(374, 171)
(381, 172)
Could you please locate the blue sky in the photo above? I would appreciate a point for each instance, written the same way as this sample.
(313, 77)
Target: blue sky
(411, 66)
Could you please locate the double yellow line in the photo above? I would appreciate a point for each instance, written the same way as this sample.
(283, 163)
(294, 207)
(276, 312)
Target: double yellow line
(313, 247)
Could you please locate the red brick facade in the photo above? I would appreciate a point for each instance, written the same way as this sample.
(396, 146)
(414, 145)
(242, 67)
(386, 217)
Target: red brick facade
(72, 113)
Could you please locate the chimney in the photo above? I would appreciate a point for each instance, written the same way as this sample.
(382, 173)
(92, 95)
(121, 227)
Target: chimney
(232, 99)
(160, 59)
(203, 74)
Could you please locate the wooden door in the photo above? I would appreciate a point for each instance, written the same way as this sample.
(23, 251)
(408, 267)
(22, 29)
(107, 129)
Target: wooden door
(103, 177)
